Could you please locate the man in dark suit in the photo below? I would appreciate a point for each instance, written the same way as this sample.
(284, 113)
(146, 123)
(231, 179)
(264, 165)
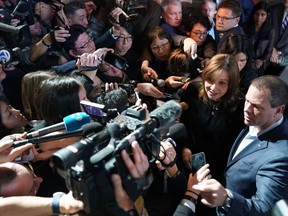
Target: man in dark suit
(208, 8)
(227, 22)
(279, 55)
(256, 173)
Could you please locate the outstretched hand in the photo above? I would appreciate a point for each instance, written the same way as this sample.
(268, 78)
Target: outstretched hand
(212, 192)
(8, 154)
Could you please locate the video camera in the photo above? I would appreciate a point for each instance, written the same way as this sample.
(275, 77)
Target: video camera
(87, 165)
(12, 40)
(22, 11)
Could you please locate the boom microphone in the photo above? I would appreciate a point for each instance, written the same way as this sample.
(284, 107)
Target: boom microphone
(68, 156)
(85, 130)
(162, 117)
(70, 123)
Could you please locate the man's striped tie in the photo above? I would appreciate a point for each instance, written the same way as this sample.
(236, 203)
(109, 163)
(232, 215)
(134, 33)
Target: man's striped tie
(284, 24)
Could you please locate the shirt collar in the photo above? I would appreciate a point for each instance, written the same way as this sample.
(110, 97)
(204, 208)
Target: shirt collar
(253, 130)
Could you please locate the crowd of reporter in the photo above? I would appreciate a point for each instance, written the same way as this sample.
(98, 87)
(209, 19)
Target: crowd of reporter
(124, 53)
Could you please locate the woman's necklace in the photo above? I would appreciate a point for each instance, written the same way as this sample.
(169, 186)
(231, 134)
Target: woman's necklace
(215, 107)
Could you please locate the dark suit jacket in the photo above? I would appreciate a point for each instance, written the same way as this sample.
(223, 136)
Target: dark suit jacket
(276, 16)
(222, 41)
(258, 175)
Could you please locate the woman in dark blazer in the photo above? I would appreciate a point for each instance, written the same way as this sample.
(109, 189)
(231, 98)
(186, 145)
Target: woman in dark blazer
(261, 34)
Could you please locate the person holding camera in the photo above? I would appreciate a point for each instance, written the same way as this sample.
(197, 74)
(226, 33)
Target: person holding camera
(19, 185)
(188, 196)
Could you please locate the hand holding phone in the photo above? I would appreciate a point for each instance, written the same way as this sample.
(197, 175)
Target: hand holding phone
(116, 60)
(185, 79)
(197, 161)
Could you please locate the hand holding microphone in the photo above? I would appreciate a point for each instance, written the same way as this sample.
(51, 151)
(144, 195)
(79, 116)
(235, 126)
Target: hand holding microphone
(149, 89)
(83, 131)
(147, 71)
(156, 82)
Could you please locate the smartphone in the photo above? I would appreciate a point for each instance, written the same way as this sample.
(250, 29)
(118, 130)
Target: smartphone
(93, 109)
(185, 79)
(116, 61)
(197, 161)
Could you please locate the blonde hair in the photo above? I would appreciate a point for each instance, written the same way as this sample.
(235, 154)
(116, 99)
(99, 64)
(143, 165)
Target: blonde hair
(30, 87)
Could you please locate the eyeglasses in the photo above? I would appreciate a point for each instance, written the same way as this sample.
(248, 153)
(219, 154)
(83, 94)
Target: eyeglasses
(86, 44)
(198, 34)
(224, 18)
(157, 48)
(121, 38)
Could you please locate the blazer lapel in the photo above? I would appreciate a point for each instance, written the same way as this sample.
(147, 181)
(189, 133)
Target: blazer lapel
(256, 145)
(237, 143)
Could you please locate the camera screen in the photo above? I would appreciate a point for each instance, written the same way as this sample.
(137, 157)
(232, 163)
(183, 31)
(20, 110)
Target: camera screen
(116, 61)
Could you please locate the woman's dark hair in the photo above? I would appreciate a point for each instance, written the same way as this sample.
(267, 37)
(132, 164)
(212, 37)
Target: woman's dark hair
(261, 5)
(4, 131)
(180, 63)
(157, 32)
(59, 97)
(240, 43)
(249, 26)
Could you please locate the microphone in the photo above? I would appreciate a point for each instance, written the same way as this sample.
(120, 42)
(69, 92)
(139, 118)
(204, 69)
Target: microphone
(176, 131)
(157, 82)
(116, 98)
(70, 123)
(83, 131)
(162, 117)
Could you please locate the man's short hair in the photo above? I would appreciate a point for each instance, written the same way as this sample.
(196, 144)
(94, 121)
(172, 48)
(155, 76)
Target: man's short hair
(233, 5)
(277, 89)
(166, 3)
(74, 30)
(7, 175)
(206, 1)
(70, 8)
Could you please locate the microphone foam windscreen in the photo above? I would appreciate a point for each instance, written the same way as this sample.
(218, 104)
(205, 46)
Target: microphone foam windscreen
(177, 131)
(75, 121)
